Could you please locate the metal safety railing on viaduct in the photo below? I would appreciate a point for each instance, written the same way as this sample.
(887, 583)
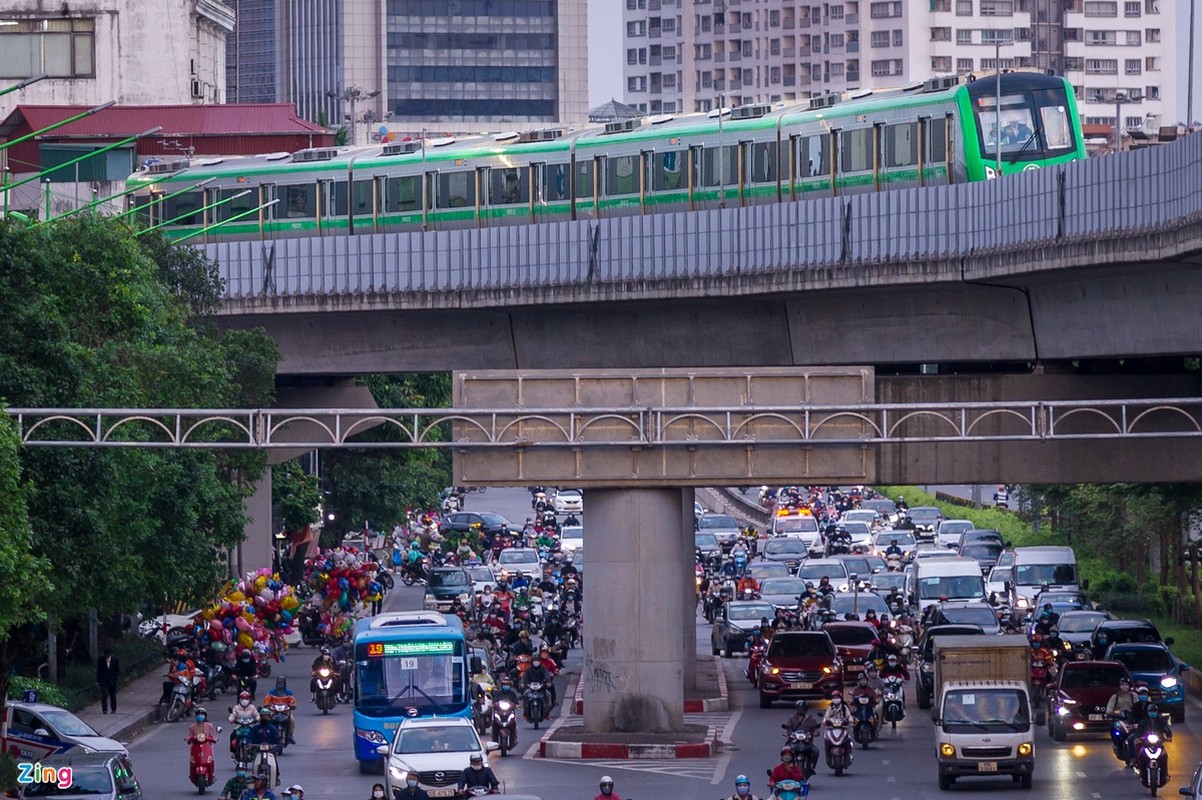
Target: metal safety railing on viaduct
(1084, 213)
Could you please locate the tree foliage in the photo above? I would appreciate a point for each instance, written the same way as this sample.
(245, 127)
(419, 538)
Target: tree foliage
(294, 495)
(91, 316)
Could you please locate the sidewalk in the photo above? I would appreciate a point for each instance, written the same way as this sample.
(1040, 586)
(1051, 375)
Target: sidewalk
(137, 704)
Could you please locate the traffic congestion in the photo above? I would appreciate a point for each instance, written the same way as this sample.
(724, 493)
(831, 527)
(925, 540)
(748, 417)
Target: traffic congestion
(869, 648)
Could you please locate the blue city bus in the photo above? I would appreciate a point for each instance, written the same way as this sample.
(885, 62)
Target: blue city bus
(407, 664)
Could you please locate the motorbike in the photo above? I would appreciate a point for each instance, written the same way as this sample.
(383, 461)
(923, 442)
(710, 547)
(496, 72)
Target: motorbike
(894, 562)
(894, 707)
(201, 769)
(789, 789)
(840, 751)
(804, 751)
(325, 696)
(482, 711)
(571, 631)
(755, 656)
(1152, 762)
(183, 695)
(536, 703)
(865, 728)
(280, 714)
(903, 640)
(344, 681)
(504, 725)
(1039, 680)
(414, 572)
(265, 764)
(1120, 735)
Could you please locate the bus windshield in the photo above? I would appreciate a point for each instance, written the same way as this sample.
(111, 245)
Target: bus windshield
(422, 678)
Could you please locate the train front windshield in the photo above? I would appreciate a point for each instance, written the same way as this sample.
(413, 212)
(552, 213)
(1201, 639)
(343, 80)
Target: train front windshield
(1033, 121)
(395, 677)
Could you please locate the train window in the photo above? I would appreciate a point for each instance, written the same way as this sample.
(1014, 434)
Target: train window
(299, 201)
(621, 175)
(361, 198)
(667, 170)
(185, 206)
(509, 186)
(937, 141)
(584, 179)
(403, 194)
(901, 144)
(814, 157)
(338, 207)
(729, 166)
(456, 189)
(857, 150)
(763, 163)
(236, 207)
(555, 182)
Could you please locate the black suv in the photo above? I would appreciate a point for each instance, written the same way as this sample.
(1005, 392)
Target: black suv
(925, 688)
(489, 522)
(1123, 631)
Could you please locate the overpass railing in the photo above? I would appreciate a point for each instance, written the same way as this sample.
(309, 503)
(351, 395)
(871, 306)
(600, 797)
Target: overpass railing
(671, 427)
(1149, 190)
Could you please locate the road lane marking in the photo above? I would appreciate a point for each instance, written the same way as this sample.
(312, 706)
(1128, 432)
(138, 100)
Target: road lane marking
(1080, 774)
(1096, 796)
(890, 779)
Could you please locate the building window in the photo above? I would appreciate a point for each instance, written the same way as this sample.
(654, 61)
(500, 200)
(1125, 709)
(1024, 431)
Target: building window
(837, 12)
(941, 64)
(963, 36)
(997, 8)
(992, 64)
(885, 10)
(1151, 7)
(836, 40)
(774, 19)
(941, 6)
(669, 54)
(1132, 8)
(1133, 66)
(774, 47)
(1101, 8)
(963, 66)
(941, 34)
(669, 25)
(1074, 64)
(991, 36)
(963, 8)
(636, 4)
(888, 66)
(1152, 64)
(632, 55)
(1101, 66)
(1073, 34)
(59, 48)
(1100, 37)
(880, 38)
(636, 28)
(1152, 35)
(638, 83)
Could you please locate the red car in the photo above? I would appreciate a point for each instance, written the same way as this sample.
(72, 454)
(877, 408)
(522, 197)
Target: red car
(799, 664)
(854, 642)
(1077, 700)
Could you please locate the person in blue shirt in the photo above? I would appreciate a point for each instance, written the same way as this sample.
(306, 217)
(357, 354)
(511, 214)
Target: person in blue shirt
(520, 581)
(259, 791)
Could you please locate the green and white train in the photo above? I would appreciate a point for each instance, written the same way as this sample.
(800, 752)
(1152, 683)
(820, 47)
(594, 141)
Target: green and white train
(939, 132)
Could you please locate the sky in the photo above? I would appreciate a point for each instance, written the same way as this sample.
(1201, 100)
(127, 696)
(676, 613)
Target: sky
(604, 51)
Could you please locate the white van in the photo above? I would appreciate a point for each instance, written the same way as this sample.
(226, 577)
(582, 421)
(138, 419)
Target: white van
(953, 578)
(1045, 566)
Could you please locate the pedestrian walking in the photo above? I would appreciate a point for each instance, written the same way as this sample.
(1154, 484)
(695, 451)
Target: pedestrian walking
(108, 674)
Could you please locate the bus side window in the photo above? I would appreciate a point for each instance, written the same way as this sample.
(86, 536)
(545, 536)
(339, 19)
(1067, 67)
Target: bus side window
(937, 141)
(763, 163)
(404, 194)
(667, 170)
(857, 150)
(621, 175)
(300, 201)
(456, 189)
(901, 145)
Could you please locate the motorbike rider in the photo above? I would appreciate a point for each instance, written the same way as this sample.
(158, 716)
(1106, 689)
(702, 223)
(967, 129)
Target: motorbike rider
(180, 666)
(411, 790)
(571, 519)
(1136, 718)
(786, 769)
(1122, 700)
(324, 659)
(893, 551)
(243, 714)
(837, 708)
(523, 646)
(236, 786)
(871, 618)
(259, 791)
(901, 504)
(551, 667)
(824, 586)
(1040, 652)
(747, 584)
(537, 673)
(894, 668)
(265, 732)
(247, 671)
(478, 775)
(802, 719)
(282, 695)
(606, 785)
(201, 726)
(1047, 619)
(863, 689)
(743, 789)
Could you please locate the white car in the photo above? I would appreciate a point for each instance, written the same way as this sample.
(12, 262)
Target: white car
(436, 749)
(482, 578)
(519, 559)
(171, 623)
(949, 531)
(568, 501)
(571, 538)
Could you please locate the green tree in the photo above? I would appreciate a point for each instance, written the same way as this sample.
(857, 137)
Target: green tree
(294, 495)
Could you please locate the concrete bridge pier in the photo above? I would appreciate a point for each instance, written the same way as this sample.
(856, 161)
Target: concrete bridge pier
(688, 526)
(634, 671)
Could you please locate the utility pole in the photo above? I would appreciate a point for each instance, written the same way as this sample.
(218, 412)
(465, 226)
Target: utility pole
(1189, 97)
(352, 95)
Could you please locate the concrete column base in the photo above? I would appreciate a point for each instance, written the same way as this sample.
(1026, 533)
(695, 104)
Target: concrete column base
(255, 550)
(633, 671)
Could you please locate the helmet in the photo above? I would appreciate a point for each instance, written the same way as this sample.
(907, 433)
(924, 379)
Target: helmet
(871, 668)
(244, 655)
(265, 713)
(325, 650)
(244, 698)
(605, 779)
(476, 758)
(1153, 711)
(1126, 681)
(837, 695)
(524, 635)
(891, 658)
(786, 751)
(742, 779)
(862, 680)
(801, 705)
(201, 711)
(1142, 690)
(281, 682)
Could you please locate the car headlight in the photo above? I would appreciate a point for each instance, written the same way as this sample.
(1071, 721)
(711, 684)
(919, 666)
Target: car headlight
(947, 750)
(1168, 682)
(397, 773)
(1025, 749)
(1023, 602)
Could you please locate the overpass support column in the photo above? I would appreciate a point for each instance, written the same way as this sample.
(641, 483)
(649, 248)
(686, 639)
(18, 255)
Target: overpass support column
(633, 659)
(688, 525)
(255, 549)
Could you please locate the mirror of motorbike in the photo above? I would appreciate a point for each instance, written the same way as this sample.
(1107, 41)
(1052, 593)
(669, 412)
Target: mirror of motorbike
(382, 749)
(219, 729)
(1185, 790)
(491, 747)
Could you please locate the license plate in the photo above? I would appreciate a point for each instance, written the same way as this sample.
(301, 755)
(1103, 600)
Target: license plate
(1097, 717)
(448, 791)
(986, 766)
(801, 686)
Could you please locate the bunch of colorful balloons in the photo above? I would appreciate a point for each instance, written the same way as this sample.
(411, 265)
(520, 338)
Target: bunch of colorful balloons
(342, 579)
(254, 614)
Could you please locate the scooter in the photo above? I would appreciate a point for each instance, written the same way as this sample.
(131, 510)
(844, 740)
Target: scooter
(789, 789)
(281, 713)
(804, 752)
(504, 725)
(266, 765)
(201, 769)
(482, 711)
(865, 729)
(183, 695)
(536, 703)
(1152, 762)
(325, 695)
(755, 655)
(1120, 733)
(894, 705)
(840, 751)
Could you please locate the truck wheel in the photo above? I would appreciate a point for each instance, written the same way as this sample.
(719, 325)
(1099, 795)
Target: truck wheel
(924, 700)
(1026, 782)
(1058, 733)
(946, 781)
(1178, 714)
(765, 701)
(713, 648)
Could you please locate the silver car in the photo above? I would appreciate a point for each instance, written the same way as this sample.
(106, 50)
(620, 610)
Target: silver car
(94, 776)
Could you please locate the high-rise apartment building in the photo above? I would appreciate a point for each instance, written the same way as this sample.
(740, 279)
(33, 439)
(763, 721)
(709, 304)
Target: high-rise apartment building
(443, 64)
(691, 55)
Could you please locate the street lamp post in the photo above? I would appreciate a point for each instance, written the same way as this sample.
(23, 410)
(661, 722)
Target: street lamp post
(352, 95)
(1119, 99)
